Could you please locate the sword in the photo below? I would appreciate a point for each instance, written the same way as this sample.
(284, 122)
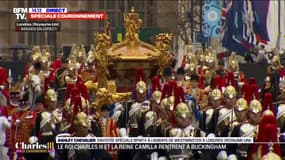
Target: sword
(126, 104)
(279, 102)
(10, 78)
(17, 126)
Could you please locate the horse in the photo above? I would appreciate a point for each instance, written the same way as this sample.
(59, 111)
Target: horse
(34, 90)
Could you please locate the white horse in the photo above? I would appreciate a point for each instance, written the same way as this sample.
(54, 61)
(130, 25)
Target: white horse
(35, 90)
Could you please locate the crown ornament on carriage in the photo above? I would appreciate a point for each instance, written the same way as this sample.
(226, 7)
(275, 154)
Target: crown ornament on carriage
(132, 23)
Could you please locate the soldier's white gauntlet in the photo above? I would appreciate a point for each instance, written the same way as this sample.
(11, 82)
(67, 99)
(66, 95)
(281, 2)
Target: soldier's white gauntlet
(162, 158)
(154, 156)
(2, 87)
(232, 157)
(222, 155)
(33, 139)
(123, 132)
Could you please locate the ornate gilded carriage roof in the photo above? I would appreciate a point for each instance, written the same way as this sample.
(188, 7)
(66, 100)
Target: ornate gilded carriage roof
(132, 49)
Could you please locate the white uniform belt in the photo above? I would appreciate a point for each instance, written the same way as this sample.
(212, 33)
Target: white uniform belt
(282, 134)
(133, 110)
(45, 121)
(47, 133)
(223, 117)
(63, 88)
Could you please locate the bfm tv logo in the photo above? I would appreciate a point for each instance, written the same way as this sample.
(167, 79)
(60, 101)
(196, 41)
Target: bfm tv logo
(21, 13)
(21, 147)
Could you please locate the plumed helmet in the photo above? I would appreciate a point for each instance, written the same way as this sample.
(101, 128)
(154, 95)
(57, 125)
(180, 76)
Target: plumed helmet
(81, 119)
(140, 81)
(156, 90)
(44, 59)
(181, 108)
(216, 94)
(233, 62)
(36, 54)
(51, 95)
(164, 104)
(230, 92)
(241, 104)
(171, 93)
(231, 79)
(268, 102)
(201, 56)
(268, 132)
(164, 97)
(150, 119)
(255, 106)
(217, 82)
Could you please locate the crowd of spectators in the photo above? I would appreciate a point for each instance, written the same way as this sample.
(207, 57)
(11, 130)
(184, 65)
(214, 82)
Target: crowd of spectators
(259, 54)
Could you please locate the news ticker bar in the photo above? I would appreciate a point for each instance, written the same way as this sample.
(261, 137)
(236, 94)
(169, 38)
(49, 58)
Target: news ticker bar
(154, 140)
(37, 26)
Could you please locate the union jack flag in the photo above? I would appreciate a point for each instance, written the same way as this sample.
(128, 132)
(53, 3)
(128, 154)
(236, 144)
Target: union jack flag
(227, 5)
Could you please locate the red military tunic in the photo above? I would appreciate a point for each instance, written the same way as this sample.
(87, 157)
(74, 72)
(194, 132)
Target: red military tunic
(4, 83)
(24, 124)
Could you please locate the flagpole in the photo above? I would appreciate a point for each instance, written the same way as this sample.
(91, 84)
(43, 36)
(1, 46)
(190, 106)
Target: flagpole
(279, 34)
(201, 27)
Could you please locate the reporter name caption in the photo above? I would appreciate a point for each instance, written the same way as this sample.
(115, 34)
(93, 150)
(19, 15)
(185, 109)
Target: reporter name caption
(148, 143)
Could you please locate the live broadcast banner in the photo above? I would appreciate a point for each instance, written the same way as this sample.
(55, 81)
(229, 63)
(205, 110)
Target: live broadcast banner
(29, 19)
(37, 26)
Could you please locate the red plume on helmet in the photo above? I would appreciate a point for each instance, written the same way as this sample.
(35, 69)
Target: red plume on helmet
(254, 91)
(165, 91)
(172, 87)
(252, 80)
(155, 84)
(171, 92)
(250, 90)
(77, 105)
(46, 87)
(68, 90)
(267, 133)
(74, 91)
(83, 90)
(268, 102)
(246, 92)
(231, 80)
(179, 96)
(217, 82)
(46, 84)
(140, 75)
